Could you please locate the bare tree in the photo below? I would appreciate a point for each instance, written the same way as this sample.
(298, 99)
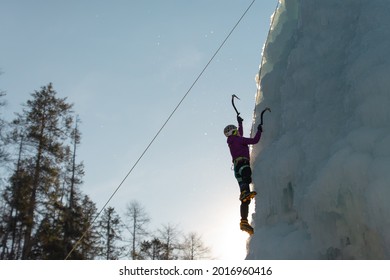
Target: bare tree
(193, 247)
(169, 236)
(138, 220)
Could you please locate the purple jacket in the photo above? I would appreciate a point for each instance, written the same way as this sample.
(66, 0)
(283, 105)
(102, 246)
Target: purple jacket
(238, 145)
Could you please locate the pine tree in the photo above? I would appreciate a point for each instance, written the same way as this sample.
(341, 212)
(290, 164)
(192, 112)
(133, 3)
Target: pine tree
(72, 214)
(87, 247)
(44, 214)
(4, 224)
(3, 125)
(151, 250)
(111, 228)
(14, 197)
(43, 127)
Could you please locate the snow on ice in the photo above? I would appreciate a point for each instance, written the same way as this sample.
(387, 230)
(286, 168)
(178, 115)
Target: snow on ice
(322, 167)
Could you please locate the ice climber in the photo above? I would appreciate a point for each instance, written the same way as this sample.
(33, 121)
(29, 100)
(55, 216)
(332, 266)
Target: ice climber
(239, 149)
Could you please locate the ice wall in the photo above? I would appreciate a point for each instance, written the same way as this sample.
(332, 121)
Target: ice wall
(322, 167)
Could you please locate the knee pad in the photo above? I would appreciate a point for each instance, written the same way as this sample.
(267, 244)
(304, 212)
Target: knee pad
(246, 174)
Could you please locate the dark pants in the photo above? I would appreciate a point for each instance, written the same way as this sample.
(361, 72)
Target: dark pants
(243, 174)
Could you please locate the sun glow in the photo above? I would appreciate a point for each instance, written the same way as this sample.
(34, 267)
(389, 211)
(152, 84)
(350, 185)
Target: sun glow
(228, 241)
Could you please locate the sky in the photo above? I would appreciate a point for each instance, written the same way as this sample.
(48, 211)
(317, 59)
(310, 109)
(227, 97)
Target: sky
(125, 65)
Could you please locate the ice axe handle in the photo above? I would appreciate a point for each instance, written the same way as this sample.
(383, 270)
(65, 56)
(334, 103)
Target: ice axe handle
(234, 106)
(262, 113)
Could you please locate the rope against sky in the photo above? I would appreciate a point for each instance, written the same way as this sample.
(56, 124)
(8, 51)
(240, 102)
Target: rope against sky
(163, 126)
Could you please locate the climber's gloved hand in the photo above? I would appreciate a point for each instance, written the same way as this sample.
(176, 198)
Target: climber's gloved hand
(239, 119)
(260, 128)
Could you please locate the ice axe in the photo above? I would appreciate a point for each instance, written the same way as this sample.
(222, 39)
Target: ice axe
(262, 113)
(234, 106)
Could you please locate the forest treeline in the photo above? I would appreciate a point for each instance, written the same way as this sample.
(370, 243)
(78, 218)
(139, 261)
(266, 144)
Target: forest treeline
(44, 213)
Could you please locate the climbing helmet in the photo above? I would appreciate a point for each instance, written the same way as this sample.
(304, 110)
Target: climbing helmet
(230, 130)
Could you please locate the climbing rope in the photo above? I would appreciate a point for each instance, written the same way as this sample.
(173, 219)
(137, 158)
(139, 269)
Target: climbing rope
(162, 127)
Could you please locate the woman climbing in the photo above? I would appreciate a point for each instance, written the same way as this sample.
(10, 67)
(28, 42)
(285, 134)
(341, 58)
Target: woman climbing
(239, 150)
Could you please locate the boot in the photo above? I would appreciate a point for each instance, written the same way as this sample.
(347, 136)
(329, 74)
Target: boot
(247, 196)
(245, 226)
